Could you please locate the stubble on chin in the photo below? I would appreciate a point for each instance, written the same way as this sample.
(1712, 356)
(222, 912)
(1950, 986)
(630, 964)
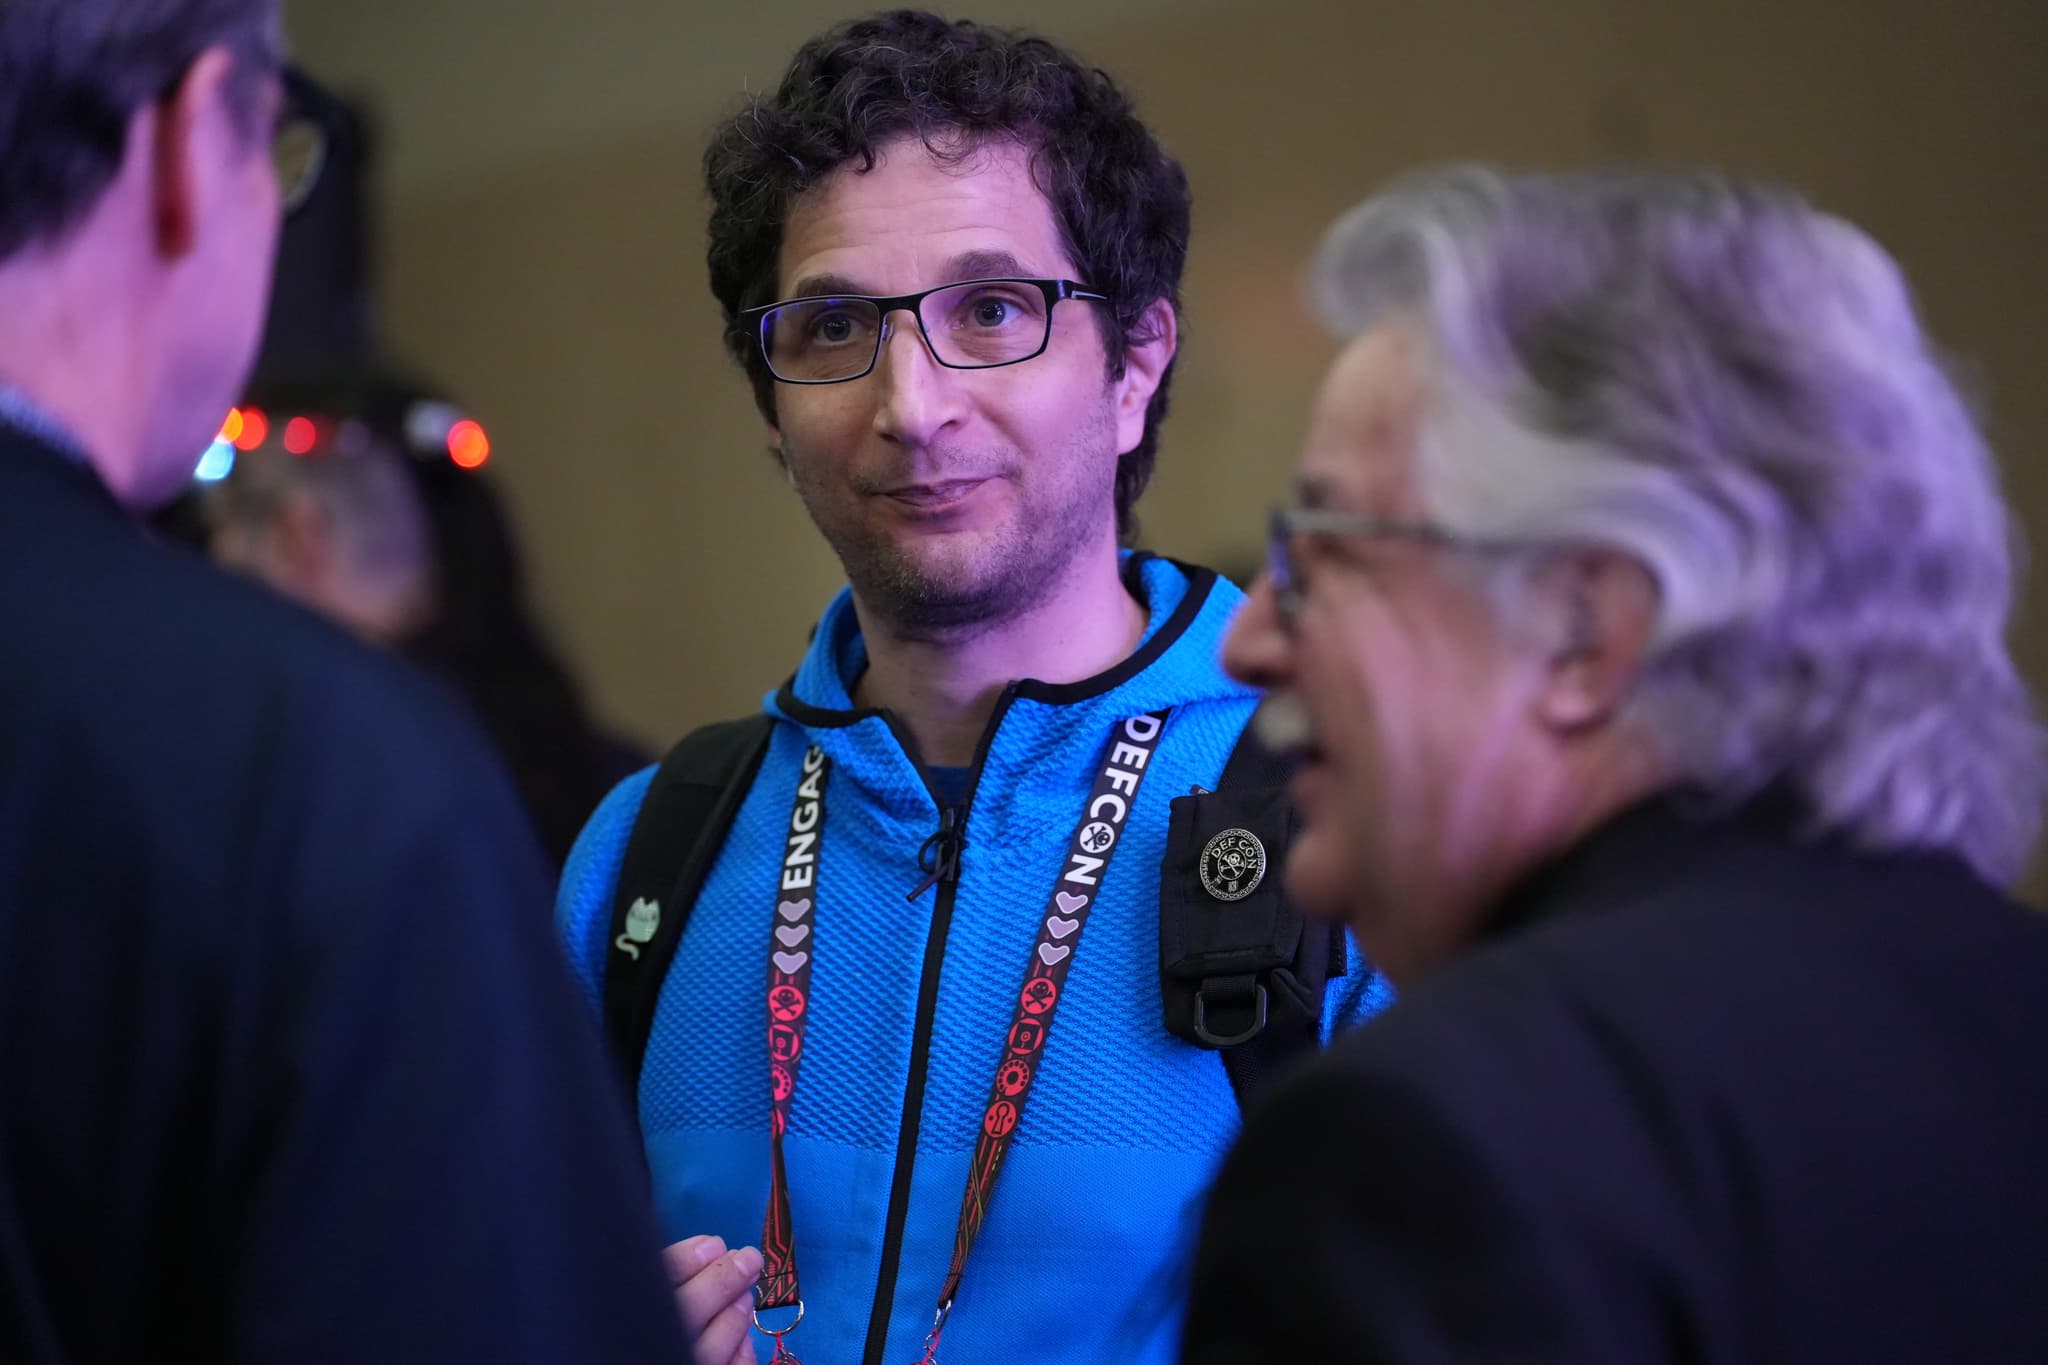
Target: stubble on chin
(954, 588)
(943, 589)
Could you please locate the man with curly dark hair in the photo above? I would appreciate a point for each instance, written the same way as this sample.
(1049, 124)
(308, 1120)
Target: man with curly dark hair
(949, 260)
(1119, 203)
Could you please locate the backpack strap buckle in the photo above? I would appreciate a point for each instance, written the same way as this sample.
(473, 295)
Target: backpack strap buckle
(1245, 993)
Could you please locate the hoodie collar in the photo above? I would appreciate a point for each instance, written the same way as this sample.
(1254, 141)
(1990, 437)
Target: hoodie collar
(1185, 605)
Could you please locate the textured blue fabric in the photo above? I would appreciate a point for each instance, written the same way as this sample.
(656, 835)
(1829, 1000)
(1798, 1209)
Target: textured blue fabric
(583, 907)
(1078, 1259)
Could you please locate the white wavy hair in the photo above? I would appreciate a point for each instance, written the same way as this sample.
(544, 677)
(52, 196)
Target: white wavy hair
(1733, 388)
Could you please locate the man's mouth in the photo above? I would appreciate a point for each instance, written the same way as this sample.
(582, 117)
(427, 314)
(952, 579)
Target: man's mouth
(936, 496)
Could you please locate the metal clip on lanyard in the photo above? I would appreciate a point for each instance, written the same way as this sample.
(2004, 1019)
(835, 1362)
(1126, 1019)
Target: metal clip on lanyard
(1096, 835)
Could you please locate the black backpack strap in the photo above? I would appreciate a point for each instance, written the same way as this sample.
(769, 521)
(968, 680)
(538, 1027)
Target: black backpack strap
(1242, 970)
(689, 806)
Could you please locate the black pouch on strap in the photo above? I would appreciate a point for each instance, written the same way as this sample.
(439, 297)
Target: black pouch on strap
(1241, 969)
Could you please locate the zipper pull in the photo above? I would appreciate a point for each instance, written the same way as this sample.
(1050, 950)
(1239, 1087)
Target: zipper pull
(939, 859)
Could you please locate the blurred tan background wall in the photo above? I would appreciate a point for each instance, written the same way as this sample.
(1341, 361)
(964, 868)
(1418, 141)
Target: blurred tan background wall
(541, 228)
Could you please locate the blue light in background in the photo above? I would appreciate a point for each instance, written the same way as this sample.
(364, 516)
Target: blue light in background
(216, 463)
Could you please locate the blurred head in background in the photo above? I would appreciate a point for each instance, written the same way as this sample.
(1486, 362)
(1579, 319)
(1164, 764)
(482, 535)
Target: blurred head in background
(364, 497)
(1626, 485)
(340, 526)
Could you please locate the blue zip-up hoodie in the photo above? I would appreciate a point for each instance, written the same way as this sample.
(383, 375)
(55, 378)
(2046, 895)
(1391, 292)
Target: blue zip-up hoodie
(1080, 1257)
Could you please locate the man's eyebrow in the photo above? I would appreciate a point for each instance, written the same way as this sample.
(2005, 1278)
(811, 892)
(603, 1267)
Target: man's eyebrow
(987, 265)
(811, 286)
(991, 264)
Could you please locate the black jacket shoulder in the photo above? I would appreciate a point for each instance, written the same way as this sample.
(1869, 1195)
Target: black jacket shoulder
(293, 1070)
(1717, 1094)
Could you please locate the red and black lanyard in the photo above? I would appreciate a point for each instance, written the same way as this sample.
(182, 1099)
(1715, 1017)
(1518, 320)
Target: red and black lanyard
(1094, 842)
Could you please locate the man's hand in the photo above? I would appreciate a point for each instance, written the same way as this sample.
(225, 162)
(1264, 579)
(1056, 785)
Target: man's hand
(715, 1294)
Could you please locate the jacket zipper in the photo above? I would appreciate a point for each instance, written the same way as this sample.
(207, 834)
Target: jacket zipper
(945, 873)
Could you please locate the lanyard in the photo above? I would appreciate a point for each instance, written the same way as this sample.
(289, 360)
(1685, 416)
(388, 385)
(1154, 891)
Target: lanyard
(789, 1000)
(1089, 850)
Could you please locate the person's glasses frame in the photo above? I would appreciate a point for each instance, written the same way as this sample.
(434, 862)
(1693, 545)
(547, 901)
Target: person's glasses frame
(757, 321)
(1286, 523)
(307, 126)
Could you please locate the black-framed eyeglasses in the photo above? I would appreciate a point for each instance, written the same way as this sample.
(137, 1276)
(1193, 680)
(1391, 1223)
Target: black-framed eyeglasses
(1285, 523)
(970, 325)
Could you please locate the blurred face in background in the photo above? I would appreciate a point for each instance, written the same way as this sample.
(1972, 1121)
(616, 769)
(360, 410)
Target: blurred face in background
(344, 532)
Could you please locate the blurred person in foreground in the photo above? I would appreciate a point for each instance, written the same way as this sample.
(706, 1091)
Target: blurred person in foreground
(281, 1079)
(1639, 628)
(374, 524)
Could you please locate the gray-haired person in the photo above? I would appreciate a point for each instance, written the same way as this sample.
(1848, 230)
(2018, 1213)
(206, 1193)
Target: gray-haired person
(289, 1069)
(1639, 627)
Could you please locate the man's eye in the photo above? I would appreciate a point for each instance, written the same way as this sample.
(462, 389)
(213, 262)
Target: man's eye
(834, 328)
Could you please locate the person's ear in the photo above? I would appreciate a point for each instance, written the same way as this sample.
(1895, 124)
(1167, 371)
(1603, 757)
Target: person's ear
(183, 129)
(1145, 363)
(1602, 606)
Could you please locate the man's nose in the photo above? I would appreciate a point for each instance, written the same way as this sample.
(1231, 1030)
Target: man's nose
(1258, 649)
(919, 396)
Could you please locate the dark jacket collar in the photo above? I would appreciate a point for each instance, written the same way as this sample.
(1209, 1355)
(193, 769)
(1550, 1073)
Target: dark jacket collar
(1677, 837)
(33, 466)
(23, 414)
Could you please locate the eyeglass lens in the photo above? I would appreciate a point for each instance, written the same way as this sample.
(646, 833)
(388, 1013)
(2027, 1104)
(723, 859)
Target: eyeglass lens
(972, 326)
(298, 152)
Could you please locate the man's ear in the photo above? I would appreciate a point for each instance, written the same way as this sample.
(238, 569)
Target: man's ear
(1145, 365)
(778, 450)
(1603, 608)
(182, 129)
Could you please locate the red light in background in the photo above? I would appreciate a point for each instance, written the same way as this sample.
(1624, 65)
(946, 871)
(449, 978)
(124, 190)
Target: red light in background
(231, 430)
(299, 435)
(467, 445)
(253, 431)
